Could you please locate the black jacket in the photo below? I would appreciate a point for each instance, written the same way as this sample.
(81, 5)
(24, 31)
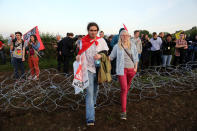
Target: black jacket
(67, 46)
(146, 46)
(167, 47)
(59, 46)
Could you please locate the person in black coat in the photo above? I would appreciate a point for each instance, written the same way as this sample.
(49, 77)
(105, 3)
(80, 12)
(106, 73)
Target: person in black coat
(146, 45)
(167, 48)
(68, 49)
(59, 52)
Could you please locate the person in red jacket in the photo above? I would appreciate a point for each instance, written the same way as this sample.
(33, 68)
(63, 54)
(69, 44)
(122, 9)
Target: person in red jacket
(33, 59)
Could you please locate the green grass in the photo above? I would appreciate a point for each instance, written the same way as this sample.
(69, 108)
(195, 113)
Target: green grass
(43, 64)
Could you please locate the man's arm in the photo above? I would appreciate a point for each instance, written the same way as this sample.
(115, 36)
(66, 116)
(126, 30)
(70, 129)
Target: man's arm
(23, 57)
(11, 46)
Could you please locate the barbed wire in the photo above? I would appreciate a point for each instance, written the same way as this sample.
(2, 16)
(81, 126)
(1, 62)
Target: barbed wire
(54, 90)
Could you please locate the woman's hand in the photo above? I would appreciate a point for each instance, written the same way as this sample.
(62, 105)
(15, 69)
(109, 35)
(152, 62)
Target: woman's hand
(78, 58)
(97, 57)
(135, 69)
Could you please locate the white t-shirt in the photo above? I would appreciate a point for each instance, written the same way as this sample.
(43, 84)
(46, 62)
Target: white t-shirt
(156, 44)
(92, 51)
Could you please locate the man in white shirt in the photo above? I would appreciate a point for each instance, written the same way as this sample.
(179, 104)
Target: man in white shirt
(92, 46)
(155, 50)
(137, 41)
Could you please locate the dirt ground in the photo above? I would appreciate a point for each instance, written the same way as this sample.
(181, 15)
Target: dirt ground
(173, 112)
(177, 112)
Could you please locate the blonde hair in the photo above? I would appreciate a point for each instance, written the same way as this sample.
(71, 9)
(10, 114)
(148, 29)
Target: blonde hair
(120, 43)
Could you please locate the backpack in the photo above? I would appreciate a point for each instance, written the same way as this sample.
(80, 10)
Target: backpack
(14, 41)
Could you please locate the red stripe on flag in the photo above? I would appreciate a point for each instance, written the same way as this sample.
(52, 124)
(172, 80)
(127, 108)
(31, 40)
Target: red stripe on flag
(39, 39)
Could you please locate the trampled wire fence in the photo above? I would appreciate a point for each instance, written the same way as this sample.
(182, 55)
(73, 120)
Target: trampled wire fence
(54, 90)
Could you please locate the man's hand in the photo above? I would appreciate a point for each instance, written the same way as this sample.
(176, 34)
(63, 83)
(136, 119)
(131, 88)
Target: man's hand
(109, 58)
(97, 57)
(23, 59)
(185, 46)
(60, 53)
(78, 58)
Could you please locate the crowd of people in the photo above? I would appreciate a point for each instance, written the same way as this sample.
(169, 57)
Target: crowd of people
(160, 50)
(126, 54)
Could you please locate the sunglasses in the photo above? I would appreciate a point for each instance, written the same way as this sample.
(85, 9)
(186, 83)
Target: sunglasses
(125, 35)
(93, 30)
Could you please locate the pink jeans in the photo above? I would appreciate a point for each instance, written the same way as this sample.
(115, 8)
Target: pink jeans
(125, 83)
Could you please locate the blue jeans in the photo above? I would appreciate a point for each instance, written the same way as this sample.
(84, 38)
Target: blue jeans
(18, 64)
(11, 57)
(166, 59)
(91, 95)
(139, 57)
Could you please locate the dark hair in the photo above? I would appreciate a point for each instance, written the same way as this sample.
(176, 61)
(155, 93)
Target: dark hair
(121, 29)
(35, 38)
(18, 33)
(69, 34)
(160, 33)
(154, 33)
(101, 32)
(136, 31)
(111, 36)
(92, 24)
(168, 35)
(79, 36)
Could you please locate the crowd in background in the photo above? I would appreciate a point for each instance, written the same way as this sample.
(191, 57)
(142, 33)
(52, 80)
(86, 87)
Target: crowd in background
(159, 50)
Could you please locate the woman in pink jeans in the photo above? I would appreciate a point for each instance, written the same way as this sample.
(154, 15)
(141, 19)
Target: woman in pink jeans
(126, 56)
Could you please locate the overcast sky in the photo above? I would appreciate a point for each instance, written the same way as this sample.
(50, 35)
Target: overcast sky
(62, 16)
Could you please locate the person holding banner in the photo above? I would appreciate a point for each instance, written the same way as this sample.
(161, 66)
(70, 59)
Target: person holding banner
(33, 59)
(126, 55)
(91, 46)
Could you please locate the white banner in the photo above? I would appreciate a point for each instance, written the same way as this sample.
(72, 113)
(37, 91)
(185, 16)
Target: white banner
(80, 81)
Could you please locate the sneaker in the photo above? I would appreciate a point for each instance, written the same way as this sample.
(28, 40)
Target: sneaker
(123, 116)
(35, 78)
(30, 77)
(90, 123)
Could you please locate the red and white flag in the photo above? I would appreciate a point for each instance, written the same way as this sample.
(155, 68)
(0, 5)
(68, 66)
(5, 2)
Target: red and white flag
(33, 31)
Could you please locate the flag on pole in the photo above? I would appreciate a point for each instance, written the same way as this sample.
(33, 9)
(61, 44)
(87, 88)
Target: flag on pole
(125, 27)
(33, 31)
(177, 35)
